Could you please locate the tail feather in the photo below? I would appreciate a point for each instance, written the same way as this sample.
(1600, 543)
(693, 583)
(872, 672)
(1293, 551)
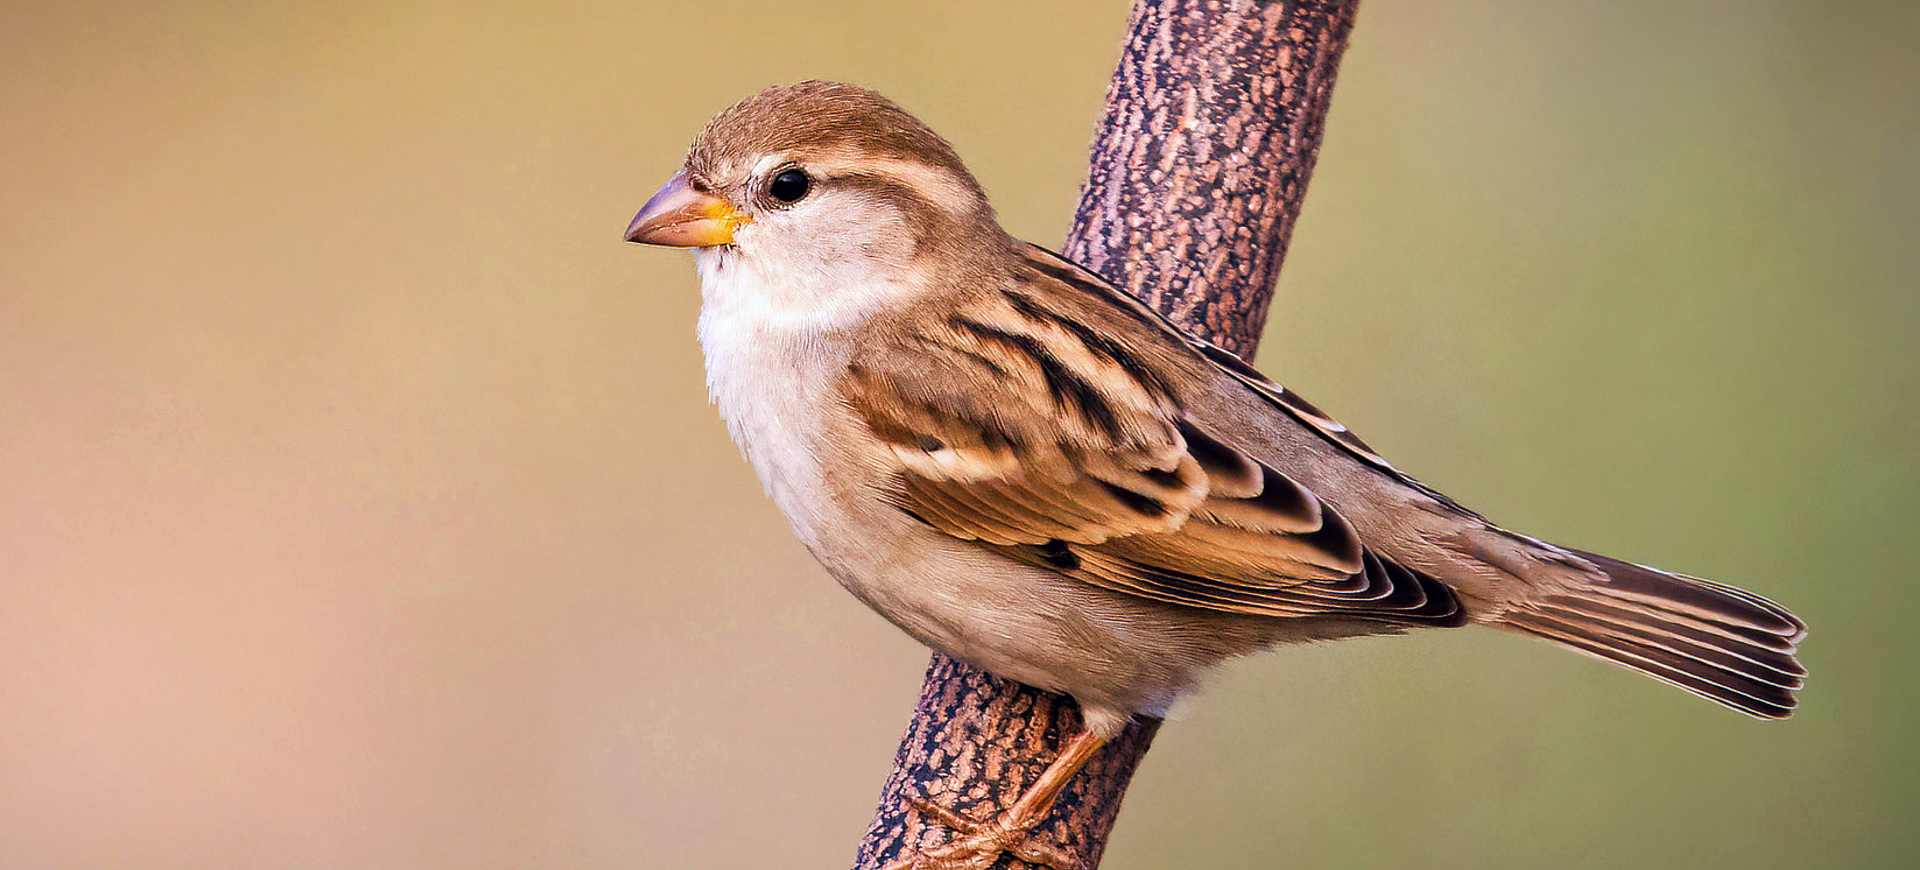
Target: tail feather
(1719, 642)
(1715, 602)
(1769, 660)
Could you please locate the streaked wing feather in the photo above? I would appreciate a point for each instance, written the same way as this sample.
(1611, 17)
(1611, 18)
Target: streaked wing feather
(1295, 405)
(1039, 432)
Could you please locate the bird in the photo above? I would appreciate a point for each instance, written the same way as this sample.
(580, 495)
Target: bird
(1024, 468)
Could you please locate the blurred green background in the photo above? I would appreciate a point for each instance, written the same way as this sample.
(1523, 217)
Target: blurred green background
(360, 505)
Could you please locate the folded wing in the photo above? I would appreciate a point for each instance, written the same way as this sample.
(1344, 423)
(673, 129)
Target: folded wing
(1039, 434)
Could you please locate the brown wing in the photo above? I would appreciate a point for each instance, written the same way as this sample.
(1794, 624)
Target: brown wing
(1048, 435)
(1294, 404)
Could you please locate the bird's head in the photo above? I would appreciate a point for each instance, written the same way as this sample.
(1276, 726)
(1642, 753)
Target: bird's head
(822, 183)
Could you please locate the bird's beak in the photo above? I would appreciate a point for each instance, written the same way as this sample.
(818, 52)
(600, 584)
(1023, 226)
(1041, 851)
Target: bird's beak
(680, 217)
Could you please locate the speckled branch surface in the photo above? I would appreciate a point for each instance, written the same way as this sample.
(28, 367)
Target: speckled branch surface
(1213, 122)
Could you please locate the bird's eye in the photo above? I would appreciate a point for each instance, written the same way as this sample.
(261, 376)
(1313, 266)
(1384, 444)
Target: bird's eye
(789, 186)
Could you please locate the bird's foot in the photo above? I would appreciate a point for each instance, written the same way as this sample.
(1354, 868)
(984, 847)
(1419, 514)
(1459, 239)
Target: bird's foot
(979, 844)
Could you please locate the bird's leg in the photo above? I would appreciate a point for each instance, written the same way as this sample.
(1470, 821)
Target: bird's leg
(979, 844)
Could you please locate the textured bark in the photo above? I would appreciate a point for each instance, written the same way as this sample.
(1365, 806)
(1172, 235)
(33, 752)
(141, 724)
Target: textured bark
(1213, 121)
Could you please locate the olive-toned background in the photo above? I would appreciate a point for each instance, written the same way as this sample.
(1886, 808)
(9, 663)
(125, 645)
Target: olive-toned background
(360, 505)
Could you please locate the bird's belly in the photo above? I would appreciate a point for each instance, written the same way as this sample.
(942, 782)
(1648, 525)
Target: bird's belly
(1116, 654)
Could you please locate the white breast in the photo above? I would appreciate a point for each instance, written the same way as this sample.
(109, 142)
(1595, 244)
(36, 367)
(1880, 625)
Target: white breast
(774, 355)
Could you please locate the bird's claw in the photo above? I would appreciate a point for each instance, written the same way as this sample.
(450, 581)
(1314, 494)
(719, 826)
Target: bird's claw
(979, 844)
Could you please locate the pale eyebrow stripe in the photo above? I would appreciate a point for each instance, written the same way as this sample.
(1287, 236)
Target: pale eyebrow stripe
(937, 185)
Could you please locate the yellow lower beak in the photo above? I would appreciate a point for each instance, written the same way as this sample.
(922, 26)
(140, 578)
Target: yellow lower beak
(680, 217)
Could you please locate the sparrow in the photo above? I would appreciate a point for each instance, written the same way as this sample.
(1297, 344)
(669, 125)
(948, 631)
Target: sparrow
(1024, 468)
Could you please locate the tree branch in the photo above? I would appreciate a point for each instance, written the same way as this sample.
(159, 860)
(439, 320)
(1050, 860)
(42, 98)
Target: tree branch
(1213, 121)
